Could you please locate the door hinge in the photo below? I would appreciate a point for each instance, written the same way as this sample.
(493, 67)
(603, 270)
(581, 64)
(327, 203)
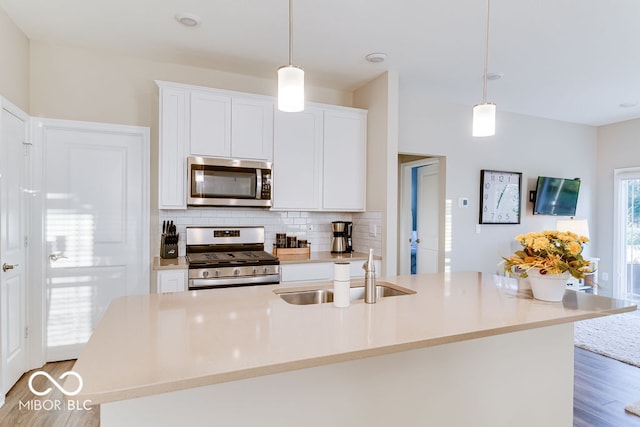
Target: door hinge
(26, 241)
(26, 332)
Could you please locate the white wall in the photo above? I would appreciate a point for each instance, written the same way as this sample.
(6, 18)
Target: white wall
(618, 147)
(14, 63)
(81, 84)
(522, 144)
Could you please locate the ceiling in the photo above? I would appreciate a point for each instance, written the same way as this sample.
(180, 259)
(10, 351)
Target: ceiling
(569, 60)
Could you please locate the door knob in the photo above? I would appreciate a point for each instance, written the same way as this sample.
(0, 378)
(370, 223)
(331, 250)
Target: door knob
(6, 266)
(417, 240)
(55, 257)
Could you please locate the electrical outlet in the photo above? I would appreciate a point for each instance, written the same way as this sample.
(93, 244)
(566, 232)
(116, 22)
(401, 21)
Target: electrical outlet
(605, 276)
(373, 230)
(478, 228)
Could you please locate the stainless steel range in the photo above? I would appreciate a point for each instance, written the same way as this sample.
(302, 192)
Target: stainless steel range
(229, 256)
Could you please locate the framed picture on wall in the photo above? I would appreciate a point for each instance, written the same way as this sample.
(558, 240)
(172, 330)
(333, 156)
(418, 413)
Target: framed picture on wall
(500, 197)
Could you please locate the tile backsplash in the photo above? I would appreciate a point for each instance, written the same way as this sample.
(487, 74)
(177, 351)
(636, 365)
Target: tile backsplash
(313, 226)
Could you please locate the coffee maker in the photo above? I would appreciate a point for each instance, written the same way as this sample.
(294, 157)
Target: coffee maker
(342, 241)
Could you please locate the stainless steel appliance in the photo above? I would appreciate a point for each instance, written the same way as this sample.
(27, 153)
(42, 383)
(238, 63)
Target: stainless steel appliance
(229, 256)
(228, 182)
(342, 237)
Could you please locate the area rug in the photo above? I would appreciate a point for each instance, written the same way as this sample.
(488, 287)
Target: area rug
(616, 336)
(634, 408)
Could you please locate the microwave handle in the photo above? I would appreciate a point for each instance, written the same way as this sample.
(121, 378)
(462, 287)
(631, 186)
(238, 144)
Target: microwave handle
(258, 183)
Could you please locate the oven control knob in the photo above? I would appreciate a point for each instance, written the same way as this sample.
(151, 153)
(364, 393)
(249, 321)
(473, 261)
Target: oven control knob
(205, 274)
(217, 273)
(266, 270)
(236, 272)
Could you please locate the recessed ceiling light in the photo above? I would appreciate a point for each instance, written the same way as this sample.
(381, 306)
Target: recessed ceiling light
(495, 76)
(188, 19)
(376, 57)
(629, 104)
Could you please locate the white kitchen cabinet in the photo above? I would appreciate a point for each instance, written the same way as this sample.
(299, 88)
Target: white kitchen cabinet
(320, 159)
(173, 148)
(297, 160)
(251, 128)
(344, 160)
(319, 271)
(172, 280)
(229, 125)
(319, 155)
(210, 124)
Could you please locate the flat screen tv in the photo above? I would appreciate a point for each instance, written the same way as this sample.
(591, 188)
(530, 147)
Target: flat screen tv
(556, 196)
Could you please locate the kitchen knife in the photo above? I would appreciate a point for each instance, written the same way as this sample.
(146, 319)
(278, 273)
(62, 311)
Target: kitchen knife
(164, 227)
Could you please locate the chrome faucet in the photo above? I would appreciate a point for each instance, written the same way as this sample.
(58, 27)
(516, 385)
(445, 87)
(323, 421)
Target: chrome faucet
(369, 279)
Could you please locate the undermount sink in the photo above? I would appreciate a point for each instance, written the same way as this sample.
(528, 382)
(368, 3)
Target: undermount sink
(320, 296)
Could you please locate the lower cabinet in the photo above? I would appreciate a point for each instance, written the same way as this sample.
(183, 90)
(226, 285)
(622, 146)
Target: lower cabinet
(318, 271)
(172, 280)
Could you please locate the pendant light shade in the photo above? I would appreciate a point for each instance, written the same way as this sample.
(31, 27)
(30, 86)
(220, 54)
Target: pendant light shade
(290, 89)
(484, 115)
(484, 119)
(290, 78)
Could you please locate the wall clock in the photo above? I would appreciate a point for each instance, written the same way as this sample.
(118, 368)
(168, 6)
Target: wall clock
(500, 193)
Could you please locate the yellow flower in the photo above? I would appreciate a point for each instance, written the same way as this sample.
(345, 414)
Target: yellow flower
(574, 248)
(540, 243)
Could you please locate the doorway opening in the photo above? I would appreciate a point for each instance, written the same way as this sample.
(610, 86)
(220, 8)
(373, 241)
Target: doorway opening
(421, 214)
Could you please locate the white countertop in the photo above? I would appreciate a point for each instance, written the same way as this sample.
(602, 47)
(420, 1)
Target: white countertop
(156, 343)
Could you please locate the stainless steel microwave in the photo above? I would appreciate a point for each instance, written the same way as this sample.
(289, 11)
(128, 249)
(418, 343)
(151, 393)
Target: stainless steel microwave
(228, 182)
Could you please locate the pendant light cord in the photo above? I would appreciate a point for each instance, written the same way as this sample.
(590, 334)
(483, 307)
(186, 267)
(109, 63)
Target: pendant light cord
(486, 57)
(291, 32)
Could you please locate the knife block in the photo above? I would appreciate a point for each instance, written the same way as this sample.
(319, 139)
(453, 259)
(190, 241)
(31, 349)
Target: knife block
(169, 246)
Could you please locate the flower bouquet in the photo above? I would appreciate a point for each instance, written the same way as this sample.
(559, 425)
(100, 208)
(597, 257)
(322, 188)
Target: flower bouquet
(550, 252)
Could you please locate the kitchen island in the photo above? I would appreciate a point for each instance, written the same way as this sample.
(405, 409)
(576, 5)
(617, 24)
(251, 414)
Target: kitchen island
(465, 349)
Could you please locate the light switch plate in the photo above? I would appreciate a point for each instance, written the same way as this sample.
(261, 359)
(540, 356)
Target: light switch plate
(463, 202)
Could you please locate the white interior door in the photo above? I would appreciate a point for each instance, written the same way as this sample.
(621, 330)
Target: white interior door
(96, 225)
(14, 166)
(428, 219)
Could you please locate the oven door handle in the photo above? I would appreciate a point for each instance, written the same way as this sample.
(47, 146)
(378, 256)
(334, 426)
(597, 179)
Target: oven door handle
(234, 281)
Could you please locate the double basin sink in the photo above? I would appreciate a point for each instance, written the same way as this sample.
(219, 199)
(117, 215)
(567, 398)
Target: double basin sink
(324, 295)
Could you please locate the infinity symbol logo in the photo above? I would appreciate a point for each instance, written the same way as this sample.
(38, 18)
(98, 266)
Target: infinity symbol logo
(55, 383)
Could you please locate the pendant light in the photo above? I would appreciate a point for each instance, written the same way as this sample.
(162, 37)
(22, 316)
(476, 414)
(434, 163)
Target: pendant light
(290, 78)
(484, 115)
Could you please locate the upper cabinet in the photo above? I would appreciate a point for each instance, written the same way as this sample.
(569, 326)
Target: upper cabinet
(237, 126)
(319, 159)
(297, 160)
(252, 128)
(344, 160)
(173, 148)
(210, 124)
(319, 155)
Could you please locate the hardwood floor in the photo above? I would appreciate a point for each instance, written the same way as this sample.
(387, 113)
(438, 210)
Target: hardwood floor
(11, 414)
(602, 388)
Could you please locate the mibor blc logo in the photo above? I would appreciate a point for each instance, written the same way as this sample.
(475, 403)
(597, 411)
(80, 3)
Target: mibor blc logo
(55, 383)
(55, 404)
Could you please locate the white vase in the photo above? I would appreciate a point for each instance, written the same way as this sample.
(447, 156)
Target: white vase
(548, 287)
